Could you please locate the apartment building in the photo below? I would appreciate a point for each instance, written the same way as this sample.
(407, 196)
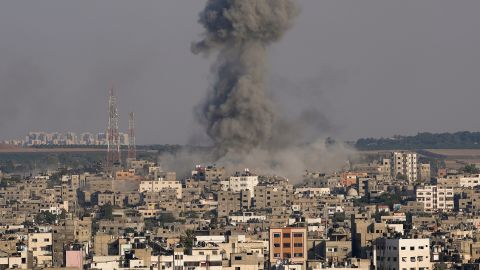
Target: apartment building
(270, 196)
(424, 172)
(406, 163)
(230, 202)
(288, 244)
(241, 182)
(40, 244)
(469, 180)
(161, 184)
(435, 198)
(200, 260)
(402, 254)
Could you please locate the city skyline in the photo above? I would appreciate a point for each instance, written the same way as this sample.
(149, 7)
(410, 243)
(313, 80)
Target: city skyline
(362, 84)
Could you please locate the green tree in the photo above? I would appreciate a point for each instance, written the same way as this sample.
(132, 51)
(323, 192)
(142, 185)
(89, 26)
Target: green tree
(187, 239)
(106, 211)
(166, 218)
(471, 168)
(339, 217)
(45, 218)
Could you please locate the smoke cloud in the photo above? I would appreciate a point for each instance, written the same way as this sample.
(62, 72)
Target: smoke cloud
(238, 114)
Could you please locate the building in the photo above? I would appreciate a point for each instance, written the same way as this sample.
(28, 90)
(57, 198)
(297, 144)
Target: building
(161, 184)
(40, 244)
(424, 172)
(241, 182)
(435, 198)
(230, 202)
(288, 244)
(406, 164)
(469, 180)
(402, 254)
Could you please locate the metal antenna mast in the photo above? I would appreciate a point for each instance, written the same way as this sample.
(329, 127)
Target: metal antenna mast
(132, 148)
(113, 136)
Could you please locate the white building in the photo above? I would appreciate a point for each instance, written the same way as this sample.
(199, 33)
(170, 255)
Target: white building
(312, 191)
(470, 180)
(435, 198)
(240, 182)
(406, 163)
(402, 254)
(200, 260)
(161, 184)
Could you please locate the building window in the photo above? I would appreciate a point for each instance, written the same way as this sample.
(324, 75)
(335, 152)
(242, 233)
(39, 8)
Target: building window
(287, 255)
(276, 235)
(298, 255)
(298, 235)
(402, 248)
(286, 235)
(286, 245)
(276, 255)
(277, 245)
(412, 248)
(298, 244)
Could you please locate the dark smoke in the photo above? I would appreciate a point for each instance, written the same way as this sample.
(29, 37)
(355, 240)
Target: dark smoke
(246, 126)
(237, 114)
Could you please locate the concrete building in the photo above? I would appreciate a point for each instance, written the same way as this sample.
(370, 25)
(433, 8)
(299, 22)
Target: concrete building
(288, 244)
(424, 172)
(270, 196)
(241, 182)
(435, 198)
(406, 163)
(230, 202)
(40, 244)
(161, 184)
(402, 254)
(469, 180)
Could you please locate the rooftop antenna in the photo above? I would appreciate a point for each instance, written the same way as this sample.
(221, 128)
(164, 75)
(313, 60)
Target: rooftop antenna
(132, 148)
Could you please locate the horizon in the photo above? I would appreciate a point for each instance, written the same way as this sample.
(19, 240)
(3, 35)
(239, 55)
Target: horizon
(398, 77)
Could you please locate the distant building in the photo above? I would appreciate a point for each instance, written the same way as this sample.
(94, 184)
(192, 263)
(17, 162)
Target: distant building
(424, 172)
(288, 245)
(400, 254)
(435, 198)
(241, 182)
(405, 163)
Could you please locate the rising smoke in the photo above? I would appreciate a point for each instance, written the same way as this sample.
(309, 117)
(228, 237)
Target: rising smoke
(238, 114)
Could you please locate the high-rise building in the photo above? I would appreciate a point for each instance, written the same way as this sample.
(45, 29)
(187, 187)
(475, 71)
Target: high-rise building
(405, 163)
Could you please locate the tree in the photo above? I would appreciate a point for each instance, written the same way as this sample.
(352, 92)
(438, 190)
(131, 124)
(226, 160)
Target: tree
(106, 211)
(166, 218)
(402, 177)
(187, 239)
(471, 169)
(339, 217)
(45, 218)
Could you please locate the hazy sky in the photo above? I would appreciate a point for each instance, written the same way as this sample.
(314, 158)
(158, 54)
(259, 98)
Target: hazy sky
(374, 68)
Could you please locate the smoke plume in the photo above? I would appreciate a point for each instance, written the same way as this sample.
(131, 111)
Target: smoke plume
(239, 116)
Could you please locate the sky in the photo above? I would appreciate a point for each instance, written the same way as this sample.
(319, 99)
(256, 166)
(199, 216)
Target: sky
(374, 68)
